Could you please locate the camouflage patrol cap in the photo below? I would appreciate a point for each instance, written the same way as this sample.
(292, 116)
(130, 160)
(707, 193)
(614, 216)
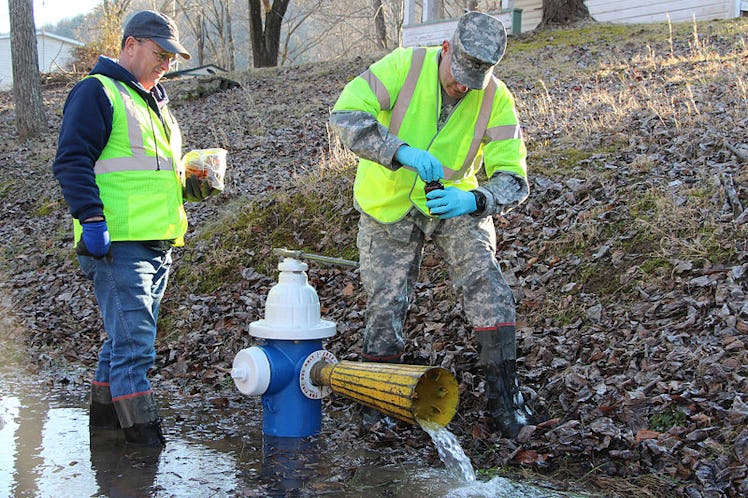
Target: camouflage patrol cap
(478, 44)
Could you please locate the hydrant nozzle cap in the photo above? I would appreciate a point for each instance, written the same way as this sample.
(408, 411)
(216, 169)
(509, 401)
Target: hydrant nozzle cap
(291, 264)
(251, 371)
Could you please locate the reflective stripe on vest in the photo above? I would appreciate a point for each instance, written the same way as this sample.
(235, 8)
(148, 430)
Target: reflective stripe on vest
(139, 161)
(407, 90)
(479, 132)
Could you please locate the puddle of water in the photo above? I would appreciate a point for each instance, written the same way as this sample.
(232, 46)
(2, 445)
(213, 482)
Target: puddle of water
(46, 451)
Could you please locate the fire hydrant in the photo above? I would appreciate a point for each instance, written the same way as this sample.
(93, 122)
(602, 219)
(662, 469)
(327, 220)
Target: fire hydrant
(279, 369)
(292, 372)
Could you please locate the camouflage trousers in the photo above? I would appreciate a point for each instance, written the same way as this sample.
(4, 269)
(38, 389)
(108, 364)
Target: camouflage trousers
(390, 259)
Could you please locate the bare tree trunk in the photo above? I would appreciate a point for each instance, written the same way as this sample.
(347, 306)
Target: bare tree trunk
(193, 14)
(560, 12)
(380, 27)
(27, 87)
(218, 16)
(255, 33)
(266, 38)
(229, 34)
(200, 36)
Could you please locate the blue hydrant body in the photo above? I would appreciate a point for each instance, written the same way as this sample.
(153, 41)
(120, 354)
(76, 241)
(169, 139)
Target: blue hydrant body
(287, 411)
(280, 368)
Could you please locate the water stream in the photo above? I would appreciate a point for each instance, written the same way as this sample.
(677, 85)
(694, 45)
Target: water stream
(450, 451)
(459, 467)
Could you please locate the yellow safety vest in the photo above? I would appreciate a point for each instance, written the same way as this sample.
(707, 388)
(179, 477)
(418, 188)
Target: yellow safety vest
(139, 172)
(403, 91)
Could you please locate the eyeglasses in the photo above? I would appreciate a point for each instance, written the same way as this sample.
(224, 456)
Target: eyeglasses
(162, 57)
(165, 57)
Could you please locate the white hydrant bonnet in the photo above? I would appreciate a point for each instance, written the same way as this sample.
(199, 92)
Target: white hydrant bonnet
(292, 313)
(292, 310)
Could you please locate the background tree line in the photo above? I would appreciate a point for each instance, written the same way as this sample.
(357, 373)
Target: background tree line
(236, 34)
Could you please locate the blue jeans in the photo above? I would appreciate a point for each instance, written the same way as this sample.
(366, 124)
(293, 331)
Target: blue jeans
(128, 285)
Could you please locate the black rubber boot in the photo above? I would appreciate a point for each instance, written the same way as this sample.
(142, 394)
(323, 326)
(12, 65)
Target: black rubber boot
(140, 421)
(101, 413)
(147, 434)
(506, 405)
(102, 416)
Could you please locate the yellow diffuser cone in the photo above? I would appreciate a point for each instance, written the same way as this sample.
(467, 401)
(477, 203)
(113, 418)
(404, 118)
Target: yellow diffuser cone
(406, 392)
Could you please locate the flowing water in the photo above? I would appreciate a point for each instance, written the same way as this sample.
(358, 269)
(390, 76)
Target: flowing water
(458, 465)
(450, 451)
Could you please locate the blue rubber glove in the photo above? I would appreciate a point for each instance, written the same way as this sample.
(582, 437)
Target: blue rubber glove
(96, 238)
(429, 168)
(450, 202)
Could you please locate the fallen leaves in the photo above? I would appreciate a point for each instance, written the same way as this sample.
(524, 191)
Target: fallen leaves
(629, 263)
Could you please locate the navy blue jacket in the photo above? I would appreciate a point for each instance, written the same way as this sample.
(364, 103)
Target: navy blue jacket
(85, 130)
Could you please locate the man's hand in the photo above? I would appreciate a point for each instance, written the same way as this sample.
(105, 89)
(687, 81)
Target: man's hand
(196, 189)
(450, 202)
(429, 168)
(96, 238)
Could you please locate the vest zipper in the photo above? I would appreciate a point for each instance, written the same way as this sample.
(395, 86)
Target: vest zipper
(155, 143)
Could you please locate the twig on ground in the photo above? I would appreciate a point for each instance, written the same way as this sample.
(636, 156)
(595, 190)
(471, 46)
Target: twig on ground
(740, 155)
(732, 194)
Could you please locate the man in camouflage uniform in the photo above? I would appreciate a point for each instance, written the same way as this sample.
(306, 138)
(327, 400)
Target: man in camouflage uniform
(421, 115)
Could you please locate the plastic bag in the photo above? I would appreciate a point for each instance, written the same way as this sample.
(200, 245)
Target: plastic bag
(207, 163)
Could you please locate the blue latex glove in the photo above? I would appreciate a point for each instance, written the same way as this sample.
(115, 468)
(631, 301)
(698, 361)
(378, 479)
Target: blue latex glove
(96, 238)
(450, 202)
(429, 168)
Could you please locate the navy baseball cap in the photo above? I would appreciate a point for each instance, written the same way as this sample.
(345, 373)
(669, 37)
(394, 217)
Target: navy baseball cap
(159, 28)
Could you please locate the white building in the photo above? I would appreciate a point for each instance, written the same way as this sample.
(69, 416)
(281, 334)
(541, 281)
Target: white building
(422, 25)
(55, 53)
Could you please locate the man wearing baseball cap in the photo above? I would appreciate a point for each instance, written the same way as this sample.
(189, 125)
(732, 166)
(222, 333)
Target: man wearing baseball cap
(119, 165)
(423, 121)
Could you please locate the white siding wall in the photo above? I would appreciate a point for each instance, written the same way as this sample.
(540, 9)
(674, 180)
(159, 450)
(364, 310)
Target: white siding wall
(6, 73)
(54, 54)
(638, 11)
(619, 11)
(532, 13)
